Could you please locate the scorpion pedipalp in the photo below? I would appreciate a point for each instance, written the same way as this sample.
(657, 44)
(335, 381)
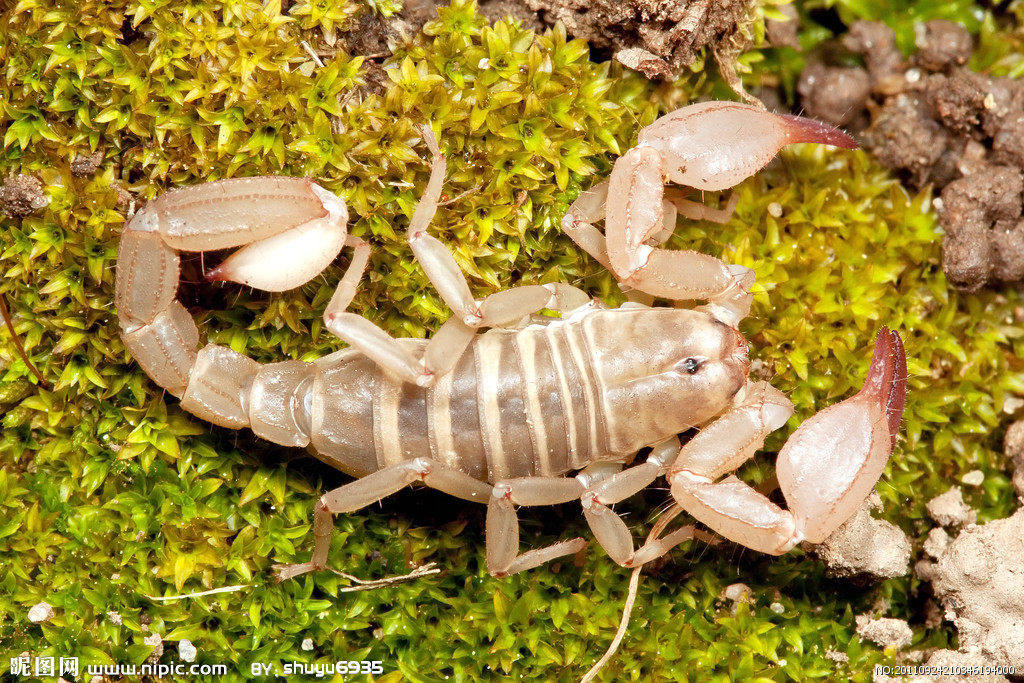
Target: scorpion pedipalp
(831, 462)
(826, 468)
(705, 146)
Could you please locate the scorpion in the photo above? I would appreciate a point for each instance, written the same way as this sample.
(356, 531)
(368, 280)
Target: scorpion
(536, 410)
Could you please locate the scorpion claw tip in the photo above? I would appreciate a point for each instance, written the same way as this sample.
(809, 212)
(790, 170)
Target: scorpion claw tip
(802, 129)
(216, 275)
(887, 378)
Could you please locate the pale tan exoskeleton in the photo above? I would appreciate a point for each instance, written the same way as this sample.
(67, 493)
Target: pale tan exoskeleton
(535, 411)
(706, 146)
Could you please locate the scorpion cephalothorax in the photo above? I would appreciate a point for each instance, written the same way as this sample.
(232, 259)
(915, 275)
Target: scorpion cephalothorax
(534, 411)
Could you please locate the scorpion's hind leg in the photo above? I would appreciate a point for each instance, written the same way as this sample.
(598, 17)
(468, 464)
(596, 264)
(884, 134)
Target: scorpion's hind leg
(826, 469)
(370, 489)
(608, 528)
(503, 556)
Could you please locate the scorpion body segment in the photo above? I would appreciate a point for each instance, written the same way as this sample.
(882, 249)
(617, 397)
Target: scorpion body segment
(534, 411)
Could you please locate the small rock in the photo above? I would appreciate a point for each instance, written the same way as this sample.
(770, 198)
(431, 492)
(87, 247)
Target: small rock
(40, 613)
(736, 592)
(884, 631)
(157, 643)
(307, 644)
(114, 617)
(22, 195)
(974, 478)
(86, 164)
(864, 545)
(936, 542)
(981, 586)
(949, 509)
(187, 651)
(1013, 447)
(650, 65)
(925, 570)
(777, 608)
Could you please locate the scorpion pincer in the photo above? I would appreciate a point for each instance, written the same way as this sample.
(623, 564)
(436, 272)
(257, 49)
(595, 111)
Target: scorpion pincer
(536, 410)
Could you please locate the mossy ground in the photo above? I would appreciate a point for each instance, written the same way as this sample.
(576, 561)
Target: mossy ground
(111, 493)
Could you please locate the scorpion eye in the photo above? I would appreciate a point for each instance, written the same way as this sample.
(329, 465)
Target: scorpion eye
(691, 365)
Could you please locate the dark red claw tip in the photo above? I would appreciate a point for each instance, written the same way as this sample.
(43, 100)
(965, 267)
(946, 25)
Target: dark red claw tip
(886, 382)
(803, 129)
(216, 275)
(898, 387)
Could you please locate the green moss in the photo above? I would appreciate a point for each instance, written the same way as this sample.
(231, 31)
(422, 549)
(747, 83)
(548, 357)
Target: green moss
(111, 493)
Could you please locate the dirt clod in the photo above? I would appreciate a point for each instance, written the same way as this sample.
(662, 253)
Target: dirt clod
(22, 195)
(877, 42)
(941, 44)
(40, 612)
(884, 632)
(865, 546)
(671, 32)
(157, 643)
(980, 582)
(936, 542)
(86, 164)
(736, 592)
(1013, 447)
(949, 509)
(784, 33)
(935, 122)
(835, 94)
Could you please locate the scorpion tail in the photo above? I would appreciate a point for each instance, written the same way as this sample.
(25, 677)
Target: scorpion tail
(215, 383)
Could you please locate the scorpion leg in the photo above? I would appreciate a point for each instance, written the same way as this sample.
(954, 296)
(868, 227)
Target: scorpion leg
(826, 469)
(578, 222)
(445, 348)
(503, 556)
(370, 489)
(696, 211)
(595, 490)
(681, 275)
(610, 531)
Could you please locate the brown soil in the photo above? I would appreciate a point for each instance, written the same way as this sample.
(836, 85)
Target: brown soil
(866, 547)
(659, 37)
(935, 122)
(22, 195)
(979, 578)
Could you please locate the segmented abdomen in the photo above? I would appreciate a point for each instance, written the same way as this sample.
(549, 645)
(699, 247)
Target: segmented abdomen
(519, 403)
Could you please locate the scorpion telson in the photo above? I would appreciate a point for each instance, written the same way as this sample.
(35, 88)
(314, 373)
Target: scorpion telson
(536, 410)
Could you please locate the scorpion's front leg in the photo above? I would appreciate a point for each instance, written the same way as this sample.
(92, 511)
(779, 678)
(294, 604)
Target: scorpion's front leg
(444, 349)
(826, 469)
(596, 487)
(608, 528)
(706, 146)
